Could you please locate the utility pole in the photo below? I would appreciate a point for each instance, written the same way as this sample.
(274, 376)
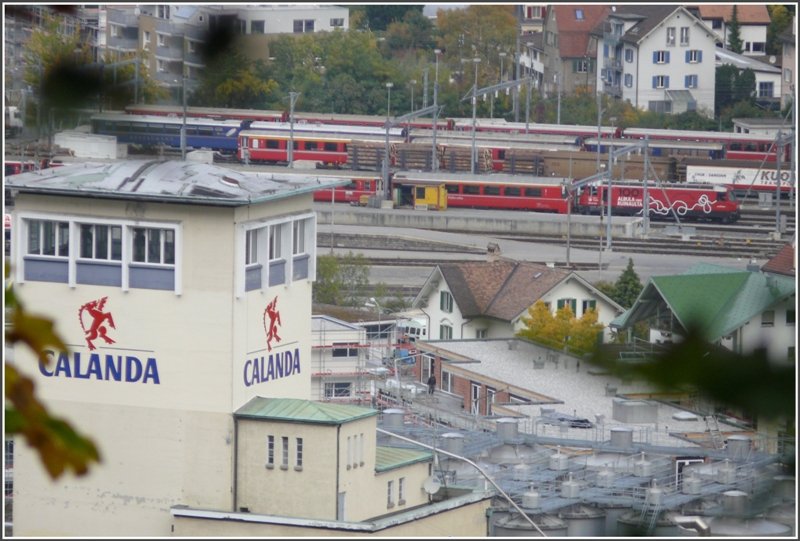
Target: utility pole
(517, 56)
(474, 153)
(290, 155)
(434, 156)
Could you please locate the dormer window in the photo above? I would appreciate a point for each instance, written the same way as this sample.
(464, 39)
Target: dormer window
(579, 14)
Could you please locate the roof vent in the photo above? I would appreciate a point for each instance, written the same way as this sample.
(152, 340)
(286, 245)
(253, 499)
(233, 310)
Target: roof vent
(772, 59)
(752, 265)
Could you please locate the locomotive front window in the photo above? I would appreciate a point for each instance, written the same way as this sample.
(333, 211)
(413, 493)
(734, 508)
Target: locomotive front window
(533, 192)
(512, 191)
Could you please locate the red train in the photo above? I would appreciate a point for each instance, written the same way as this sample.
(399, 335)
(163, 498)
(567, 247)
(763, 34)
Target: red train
(547, 194)
(14, 167)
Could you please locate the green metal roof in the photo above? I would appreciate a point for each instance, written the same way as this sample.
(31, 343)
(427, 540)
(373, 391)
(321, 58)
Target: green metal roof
(302, 411)
(387, 458)
(718, 300)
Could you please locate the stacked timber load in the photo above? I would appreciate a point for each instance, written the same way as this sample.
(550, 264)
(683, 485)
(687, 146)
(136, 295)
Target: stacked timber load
(368, 155)
(581, 164)
(457, 159)
(415, 156)
(524, 162)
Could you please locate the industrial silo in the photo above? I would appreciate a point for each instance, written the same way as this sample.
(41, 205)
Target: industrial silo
(512, 524)
(584, 521)
(631, 524)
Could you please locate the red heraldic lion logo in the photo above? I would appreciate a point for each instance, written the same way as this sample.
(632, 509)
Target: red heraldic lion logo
(95, 313)
(274, 317)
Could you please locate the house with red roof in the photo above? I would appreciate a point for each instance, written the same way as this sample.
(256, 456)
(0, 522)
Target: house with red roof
(488, 299)
(753, 23)
(570, 53)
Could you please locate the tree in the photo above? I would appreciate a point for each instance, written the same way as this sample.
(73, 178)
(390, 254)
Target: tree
(562, 330)
(415, 31)
(341, 280)
(233, 81)
(59, 445)
(379, 17)
(734, 33)
(780, 19)
(733, 86)
(627, 287)
(122, 85)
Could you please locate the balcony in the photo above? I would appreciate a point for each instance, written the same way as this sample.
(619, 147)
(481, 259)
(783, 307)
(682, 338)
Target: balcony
(128, 44)
(612, 89)
(169, 54)
(122, 17)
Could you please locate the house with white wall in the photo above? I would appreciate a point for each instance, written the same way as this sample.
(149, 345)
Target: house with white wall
(480, 300)
(741, 310)
(767, 75)
(753, 22)
(658, 57)
(338, 360)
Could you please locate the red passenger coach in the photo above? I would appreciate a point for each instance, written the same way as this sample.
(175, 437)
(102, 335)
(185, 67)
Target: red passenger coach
(502, 192)
(360, 185)
(688, 201)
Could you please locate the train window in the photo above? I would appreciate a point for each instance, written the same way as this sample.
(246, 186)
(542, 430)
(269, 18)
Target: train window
(472, 190)
(205, 130)
(311, 145)
(351, 185)
(452, 188)
(491, 190)
(331, 147)
(533, 192)
(272, 143)
(512, 191)
(420, 192)
(295, 145)
(173, 130)
(735, 146)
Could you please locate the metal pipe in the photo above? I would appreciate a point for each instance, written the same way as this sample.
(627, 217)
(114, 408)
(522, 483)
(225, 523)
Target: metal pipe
(474, 465)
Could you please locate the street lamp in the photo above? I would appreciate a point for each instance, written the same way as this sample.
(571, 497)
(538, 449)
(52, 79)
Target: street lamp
(474, 154)
(385, 171)
(412, 82)
(434, 157)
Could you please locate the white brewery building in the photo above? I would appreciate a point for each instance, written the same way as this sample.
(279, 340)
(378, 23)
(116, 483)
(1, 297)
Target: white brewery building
(183, 293)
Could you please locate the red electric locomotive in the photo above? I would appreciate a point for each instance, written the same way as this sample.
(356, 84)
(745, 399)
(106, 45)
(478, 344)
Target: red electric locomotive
(688, 201)
(360, 186)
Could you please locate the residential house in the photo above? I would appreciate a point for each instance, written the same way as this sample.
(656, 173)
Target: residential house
(788, 62)
(784, 262)
(531, 58)
(339, 352)
(767, 75)
(753, 23)
(658, 57)
(489, 299)
(532, 17)
(741, 310)
(570, 55)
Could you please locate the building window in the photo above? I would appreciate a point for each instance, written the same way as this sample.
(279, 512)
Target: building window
(628, 55)
(101, 242)
(153, 245)
(694, 56)
(47, 237)
(571, 303)
(445, 332)
(475, 396)
(447, 382)
(580, 66)
(490, 396)
(270, 451)
(716, 24)
(618, 28)
(275, 238)
(759, 46)
(660, 81)
(628, 80)
(579, 14)
(690, 81)
(285, 450)
(161, 66)
(337, 23)
(338, 389)
(684, 35)
(344, 349)
(445, 302)
(660, 57)
(671, 36)
(251, 247)
(768, 318)
(161, 39)
(480, 334)
(298, 237)
(350, 451)
(360, 450)
(401, 490)
(588, 305)
(145, 39)
(163, 12)
(765, 89)
(390, 494)
(256, 27)
(790, 315)
(301, 25)
(787, 75)
(299, 454)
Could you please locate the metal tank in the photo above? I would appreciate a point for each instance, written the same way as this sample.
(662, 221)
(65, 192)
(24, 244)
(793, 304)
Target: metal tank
(747, 528)
(629, 524)
(786, 514)
(584, 521)
(512, 524)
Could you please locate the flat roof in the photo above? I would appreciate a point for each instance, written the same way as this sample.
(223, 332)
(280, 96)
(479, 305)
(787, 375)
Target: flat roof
(172, 181)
